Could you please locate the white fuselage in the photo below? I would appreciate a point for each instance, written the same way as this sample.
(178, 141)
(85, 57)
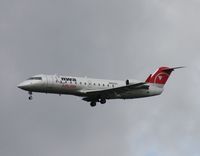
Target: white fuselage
(98, 90)
(79, 86)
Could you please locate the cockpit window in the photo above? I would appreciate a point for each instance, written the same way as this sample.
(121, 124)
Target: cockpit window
(35, 78)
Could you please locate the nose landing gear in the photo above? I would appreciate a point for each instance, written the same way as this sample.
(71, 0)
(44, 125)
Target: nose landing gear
(30, 96)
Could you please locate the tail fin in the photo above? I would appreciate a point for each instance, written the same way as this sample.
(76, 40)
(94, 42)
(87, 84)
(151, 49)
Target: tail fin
(161, 75)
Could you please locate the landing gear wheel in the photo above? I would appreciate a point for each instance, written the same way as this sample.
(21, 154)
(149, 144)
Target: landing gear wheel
(30, 96)
(93, 104)
(103, 101)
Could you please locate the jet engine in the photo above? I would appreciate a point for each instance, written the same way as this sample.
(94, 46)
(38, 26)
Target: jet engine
(129, 82)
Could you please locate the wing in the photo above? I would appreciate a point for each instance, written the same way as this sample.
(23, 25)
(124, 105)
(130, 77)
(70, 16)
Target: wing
(108, 93)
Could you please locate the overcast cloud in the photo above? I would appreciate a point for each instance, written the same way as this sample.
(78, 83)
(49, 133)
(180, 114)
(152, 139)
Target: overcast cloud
(111, 39)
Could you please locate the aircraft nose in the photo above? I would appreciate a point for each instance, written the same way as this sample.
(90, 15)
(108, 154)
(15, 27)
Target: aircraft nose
(24, 85)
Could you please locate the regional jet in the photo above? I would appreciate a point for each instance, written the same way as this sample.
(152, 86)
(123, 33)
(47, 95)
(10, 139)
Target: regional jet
(98, 90)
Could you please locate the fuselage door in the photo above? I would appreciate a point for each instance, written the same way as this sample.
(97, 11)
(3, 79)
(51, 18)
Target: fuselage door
(49, 81)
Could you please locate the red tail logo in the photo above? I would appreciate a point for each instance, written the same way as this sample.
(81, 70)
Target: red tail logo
(160, 76)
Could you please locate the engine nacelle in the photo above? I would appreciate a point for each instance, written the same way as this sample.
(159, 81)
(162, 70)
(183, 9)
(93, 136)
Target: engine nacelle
(129, 82)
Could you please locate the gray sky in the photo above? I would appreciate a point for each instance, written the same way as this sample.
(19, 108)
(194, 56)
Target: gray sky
(104, 39)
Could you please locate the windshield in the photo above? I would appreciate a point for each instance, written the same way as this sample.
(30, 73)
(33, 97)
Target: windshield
(35, 78)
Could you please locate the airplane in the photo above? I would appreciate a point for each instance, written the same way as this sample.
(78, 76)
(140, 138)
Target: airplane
(98, 90)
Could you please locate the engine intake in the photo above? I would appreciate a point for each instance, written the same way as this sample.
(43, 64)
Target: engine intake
(127, 82)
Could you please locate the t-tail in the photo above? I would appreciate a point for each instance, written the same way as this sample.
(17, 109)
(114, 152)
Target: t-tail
(160, 77)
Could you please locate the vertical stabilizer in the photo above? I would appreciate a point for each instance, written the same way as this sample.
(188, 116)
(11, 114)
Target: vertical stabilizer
(161, 75)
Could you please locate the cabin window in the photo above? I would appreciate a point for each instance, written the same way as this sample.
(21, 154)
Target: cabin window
(103, 84)
(99, 84)
(85, 83)
(80, 83)
(94, 84)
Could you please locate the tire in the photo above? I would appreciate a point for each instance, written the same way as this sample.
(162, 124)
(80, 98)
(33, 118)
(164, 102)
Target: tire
(103, 101)
(93, 104)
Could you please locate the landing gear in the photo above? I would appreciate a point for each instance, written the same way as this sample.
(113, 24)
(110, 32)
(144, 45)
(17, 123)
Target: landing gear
(30, 96)
(93, 104)
(102, 101)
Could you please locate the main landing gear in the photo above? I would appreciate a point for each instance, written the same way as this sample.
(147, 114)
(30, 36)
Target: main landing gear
(102, 101)
(30, 96)
(93, 103)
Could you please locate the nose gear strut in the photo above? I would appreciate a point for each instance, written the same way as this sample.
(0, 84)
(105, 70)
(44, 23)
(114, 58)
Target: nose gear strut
(30, 95)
